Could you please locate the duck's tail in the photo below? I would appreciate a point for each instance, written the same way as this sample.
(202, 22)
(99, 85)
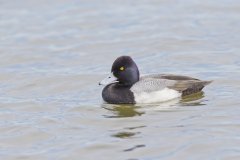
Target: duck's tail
(196, 87)
(205, 83)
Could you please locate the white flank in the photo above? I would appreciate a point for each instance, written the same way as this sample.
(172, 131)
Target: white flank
(163, 95)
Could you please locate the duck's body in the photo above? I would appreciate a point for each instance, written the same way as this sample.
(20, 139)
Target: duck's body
(126, 87)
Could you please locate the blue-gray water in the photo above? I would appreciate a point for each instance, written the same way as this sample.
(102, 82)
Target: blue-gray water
(54, 53)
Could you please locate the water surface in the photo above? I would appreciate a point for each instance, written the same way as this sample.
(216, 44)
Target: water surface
(54, 53)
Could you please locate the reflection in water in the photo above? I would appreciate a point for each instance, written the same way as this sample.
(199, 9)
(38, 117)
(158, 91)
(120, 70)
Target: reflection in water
(193, 100)
(135, 147)
(125, 134)
(131, 128)
(122, 110)
(119, 111)
(193, 97)
(168, 105)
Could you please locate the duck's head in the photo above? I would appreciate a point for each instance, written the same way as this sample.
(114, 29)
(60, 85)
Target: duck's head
(124, 72)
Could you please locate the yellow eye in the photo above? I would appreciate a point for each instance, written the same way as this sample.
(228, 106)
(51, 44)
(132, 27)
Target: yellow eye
(121, 68)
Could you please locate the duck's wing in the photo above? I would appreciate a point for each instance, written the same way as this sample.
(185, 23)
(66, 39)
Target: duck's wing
(151, 84)
(168, 76)
(184, 84)
(187, 87)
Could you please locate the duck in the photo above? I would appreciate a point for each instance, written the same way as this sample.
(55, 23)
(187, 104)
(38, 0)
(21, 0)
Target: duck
(124, 85)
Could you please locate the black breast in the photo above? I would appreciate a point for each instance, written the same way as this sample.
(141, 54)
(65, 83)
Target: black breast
(118, 94)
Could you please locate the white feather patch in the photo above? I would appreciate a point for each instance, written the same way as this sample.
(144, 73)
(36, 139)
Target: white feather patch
(163, 95)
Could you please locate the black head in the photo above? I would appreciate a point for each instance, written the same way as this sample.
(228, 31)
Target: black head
(125, 70)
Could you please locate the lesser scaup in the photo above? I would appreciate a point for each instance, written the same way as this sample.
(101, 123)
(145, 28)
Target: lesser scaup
(125, 86)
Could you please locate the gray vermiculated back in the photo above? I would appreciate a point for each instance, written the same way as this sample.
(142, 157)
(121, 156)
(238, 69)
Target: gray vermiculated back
(151, 85)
